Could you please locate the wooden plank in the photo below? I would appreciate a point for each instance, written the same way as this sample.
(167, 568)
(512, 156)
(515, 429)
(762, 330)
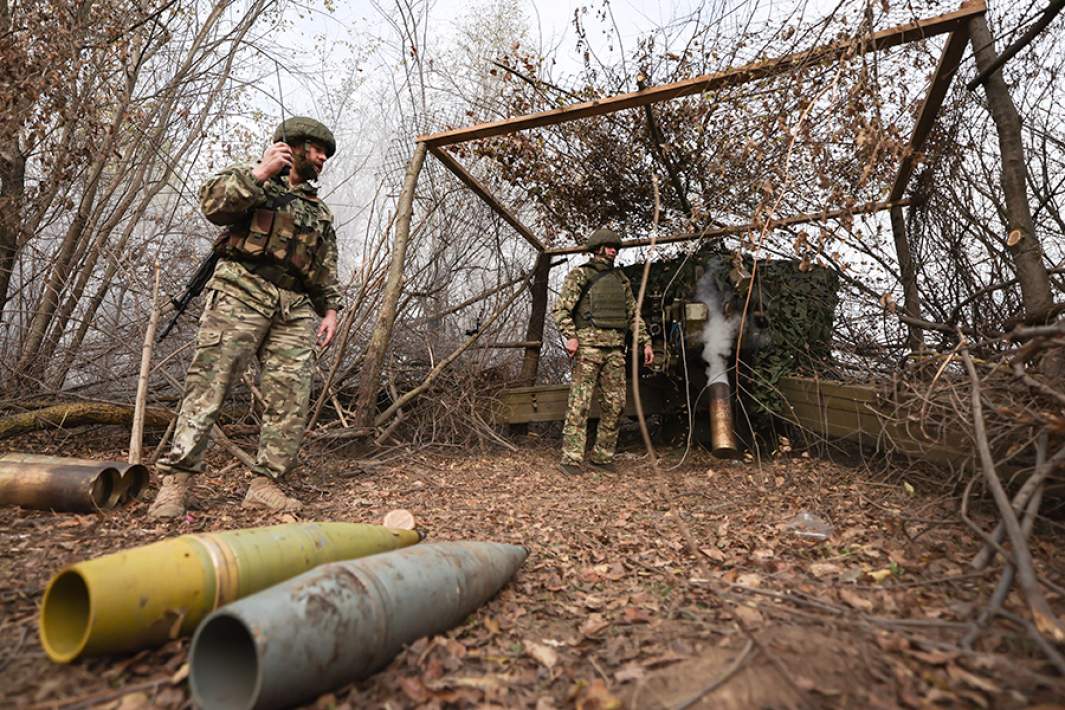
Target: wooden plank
(481, 191)
(522, 344)
(540, 392)
(854, 411)
(926, 118)
(831, 401)
(931, 452)
(866, 425)
(857, 413)
(839, 389)
(885, 39)
(847, 398)
(866, 208)
(534, 388)
(852, 420)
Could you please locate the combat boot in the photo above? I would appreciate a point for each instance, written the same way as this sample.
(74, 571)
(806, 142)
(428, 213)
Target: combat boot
(170, 500)
(264, 493)
(604, 465)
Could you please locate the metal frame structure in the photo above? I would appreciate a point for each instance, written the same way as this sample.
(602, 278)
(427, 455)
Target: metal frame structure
(955, 23)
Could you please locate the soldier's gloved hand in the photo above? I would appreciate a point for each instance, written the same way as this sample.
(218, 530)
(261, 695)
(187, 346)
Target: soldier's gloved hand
(277, 157)
(571, 346)
(648, 355)
(327, 329)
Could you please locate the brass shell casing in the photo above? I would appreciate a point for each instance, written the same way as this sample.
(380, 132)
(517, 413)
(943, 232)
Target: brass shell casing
(68, 484)
(722, 436)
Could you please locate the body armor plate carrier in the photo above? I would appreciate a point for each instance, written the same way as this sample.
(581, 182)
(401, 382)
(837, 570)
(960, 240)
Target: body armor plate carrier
(603, 304)
(273, 245)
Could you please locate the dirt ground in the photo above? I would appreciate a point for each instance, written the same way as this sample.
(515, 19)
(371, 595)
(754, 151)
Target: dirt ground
(678, 589)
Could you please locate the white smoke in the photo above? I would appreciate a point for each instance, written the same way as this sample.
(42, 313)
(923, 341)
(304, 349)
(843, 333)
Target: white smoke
(719, 331)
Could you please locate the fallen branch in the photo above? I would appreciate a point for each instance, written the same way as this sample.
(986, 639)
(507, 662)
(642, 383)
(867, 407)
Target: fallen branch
(1022, 498)
(721, 679)
(75, 414)
(1044, 618)
(443, 364)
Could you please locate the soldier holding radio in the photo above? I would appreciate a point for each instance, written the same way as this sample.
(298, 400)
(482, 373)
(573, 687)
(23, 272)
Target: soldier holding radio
(276, 275)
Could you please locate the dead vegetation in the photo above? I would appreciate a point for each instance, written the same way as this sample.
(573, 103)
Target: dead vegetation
(614, 605)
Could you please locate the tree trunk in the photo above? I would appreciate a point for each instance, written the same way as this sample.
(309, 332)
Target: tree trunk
(1021, 240)
(88, 268)
(366, 401)
(530, 363)
(12, 192)
(60, 273)
(911, 302)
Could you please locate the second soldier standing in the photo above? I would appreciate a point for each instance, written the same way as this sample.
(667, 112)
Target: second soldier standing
(594, 311)
(277, 272)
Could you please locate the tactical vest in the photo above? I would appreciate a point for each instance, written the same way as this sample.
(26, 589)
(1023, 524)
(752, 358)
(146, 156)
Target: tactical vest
(273, 245)
(603, 303)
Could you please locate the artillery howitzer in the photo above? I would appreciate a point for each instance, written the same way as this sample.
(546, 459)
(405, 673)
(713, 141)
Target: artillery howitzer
(697, 307)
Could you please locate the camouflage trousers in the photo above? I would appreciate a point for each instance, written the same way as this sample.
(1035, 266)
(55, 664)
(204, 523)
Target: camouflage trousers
(230, 334)
(605, 367)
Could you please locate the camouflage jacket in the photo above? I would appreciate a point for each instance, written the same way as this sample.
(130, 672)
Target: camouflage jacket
(230, 195)
(591, 336)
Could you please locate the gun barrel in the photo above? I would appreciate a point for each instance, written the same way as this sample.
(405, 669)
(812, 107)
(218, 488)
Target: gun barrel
(340, 622)
(147, 595)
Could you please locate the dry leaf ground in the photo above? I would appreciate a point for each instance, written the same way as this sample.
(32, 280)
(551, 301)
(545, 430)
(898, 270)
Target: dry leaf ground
(613, 608)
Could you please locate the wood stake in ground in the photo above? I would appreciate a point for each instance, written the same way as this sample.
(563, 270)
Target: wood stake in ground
(636, 335)
(136, 437)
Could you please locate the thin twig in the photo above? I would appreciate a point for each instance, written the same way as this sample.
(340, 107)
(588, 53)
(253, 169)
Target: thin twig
(1045, 620)
(736, 664)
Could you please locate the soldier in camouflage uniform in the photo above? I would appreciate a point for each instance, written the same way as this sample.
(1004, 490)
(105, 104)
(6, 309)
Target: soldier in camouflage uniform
(594, 311)
(276, 274)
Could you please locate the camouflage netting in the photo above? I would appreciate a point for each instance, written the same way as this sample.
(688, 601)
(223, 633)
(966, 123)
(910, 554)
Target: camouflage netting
(789, 317)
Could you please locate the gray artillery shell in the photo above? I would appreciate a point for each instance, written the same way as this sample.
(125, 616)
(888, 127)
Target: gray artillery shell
(340, 622)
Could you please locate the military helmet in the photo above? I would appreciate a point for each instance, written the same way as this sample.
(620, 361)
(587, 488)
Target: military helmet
(297, 128)
(603, 238)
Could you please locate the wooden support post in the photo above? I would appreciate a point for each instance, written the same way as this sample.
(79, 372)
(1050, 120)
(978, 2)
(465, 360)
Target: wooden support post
(482, 191)
(534, 332)
(752, 226)
(926, 118)
(373, 361)
(885, 39)
(136, 437)
(911, 304)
